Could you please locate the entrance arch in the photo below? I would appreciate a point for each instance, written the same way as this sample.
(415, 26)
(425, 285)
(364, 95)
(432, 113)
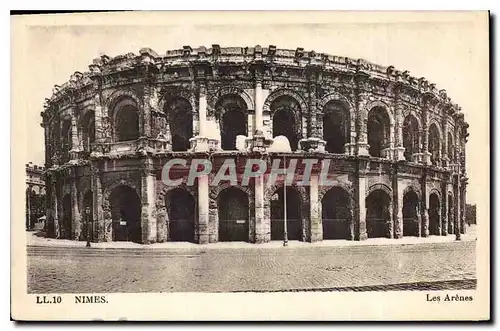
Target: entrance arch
(232, 205)
(180, 118)
(434, 215)
(378, 128)
(126, 120)
(378, 204)
(234, 123)
(336, 214)
(335, 127)
(411, 219)
(67, 216)
(126, 214)
(293, 214)
(181, 215)
(286, 112)
(410, 137)
(232, 113)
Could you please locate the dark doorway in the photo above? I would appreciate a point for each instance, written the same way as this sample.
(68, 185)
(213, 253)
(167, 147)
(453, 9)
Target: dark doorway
(410, 137)
(336, 214)
(126, 214)
(234, 123)
(181, 207)
(378, 214)
(127, 123)
(293, 211)
(434, 215)
(233, 215)
(67, 217)
(284, 125)
(335, 127)
(378, 131)
(434, 144)
(180, 116)
(410, 214)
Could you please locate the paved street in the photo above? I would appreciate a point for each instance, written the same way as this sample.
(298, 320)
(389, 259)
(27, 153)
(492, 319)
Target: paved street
(358, 268)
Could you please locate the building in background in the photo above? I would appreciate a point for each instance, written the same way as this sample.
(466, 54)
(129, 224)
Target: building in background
(395, 145)
(35, 196)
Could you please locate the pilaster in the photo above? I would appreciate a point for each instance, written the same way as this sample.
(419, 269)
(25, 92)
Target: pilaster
(202, 224)
(359, 200)
(148, 206)
(316, 226)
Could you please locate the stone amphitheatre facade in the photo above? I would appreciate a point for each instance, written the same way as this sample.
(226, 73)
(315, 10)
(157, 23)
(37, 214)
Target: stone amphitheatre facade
(395, 145)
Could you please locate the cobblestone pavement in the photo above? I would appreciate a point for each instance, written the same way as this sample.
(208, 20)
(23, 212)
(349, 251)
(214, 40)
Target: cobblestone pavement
(358, 268)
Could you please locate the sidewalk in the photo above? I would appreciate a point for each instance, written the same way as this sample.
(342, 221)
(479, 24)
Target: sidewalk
(33, 240)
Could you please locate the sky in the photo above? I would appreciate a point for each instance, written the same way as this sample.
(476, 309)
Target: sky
(450, 50)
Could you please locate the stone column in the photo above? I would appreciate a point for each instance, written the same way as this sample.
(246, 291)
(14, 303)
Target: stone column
(55, 207)
(150, 105)
(201, 227)
(444, 151)
(148, 202)
(201, 141)
(397, 204)
(426, 156)
(360, 196)
(361, 123)
(444, 209)
(424, 231)
(259, 116)
(75, 210)
(463, 211)
(99, 226)
(75, 139)
(457, 203)
(261, 234)
(316, 226)
(399, 150)
(99, 114)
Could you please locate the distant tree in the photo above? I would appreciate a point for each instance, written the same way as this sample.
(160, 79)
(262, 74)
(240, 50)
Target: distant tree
(470, 213)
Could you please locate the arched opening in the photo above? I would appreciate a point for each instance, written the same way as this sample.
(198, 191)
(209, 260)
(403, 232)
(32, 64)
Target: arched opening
(451, 148)
(434, 214)
(411, 220)
(180, 117)
(67, 217)
(88, 131)
(293, 214)
(234, 123)
(335, 127)
(410, 137)
(378, 128)
(378, 215)
(66, 139)
(284, 110)
(233, 211)
(126, 120)
(126, 214)
(451, 215)
(434, 143)
(181, 215)
(336, 214)
(88, 212)
(234, 119)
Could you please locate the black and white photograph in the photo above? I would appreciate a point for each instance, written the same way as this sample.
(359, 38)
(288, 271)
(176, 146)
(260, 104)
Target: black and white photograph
(276, 156)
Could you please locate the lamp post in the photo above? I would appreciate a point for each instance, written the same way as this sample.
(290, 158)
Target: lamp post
(285, 226)
(87, 216)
